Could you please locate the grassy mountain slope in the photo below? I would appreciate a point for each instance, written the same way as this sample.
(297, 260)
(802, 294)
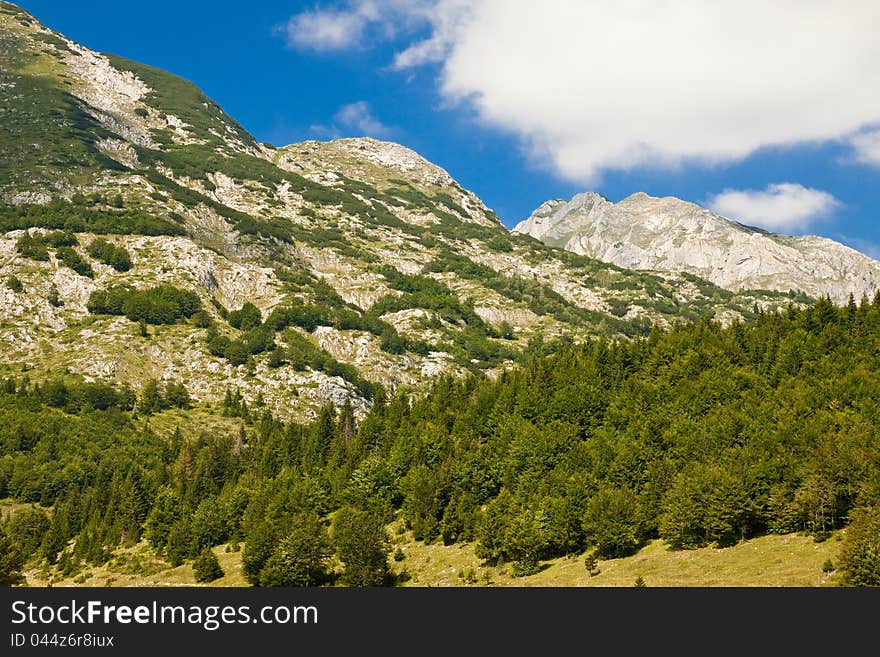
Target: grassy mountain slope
(378, 266)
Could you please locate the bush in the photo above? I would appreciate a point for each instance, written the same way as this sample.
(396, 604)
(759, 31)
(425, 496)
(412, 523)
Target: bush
(74, 260)
(206, 567)
(14, 284)
(115, 256)
(245, 318)
(35, 249)
(164, 304)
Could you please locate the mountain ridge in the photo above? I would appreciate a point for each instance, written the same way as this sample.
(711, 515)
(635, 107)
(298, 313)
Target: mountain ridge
(368, 265)
(668, 234)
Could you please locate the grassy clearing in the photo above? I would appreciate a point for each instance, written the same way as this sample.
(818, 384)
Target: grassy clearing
(140, 566)
(768, 561)
(789, 560)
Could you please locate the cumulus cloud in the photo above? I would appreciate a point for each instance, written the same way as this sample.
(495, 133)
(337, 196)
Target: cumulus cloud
(330, 29)
(593, 85)
(359, 118)
(353, 120)
(780, 207)
(357, 23)
(866, 147)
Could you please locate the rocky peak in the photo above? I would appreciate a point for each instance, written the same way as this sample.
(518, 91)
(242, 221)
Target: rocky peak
(669, 234)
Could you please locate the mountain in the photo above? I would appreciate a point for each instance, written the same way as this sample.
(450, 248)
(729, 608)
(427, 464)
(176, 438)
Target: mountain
(668, 234)
(145, 234)
(179, 303)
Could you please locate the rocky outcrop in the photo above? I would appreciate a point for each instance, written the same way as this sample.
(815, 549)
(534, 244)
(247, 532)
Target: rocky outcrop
(668, 234)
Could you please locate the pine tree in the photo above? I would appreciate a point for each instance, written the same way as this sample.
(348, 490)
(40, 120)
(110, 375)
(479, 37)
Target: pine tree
(11, 560)
(206, 567)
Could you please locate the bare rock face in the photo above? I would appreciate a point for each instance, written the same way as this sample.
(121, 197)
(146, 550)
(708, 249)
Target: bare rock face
(668, 234)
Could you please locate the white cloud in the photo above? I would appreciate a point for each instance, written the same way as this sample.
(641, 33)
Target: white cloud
(593, 85)
(780, 207)
(353, 120)
(866, 146)
(359, 118)
(324, 30)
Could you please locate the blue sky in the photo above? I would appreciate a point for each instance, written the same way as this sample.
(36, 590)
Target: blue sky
(524, 101)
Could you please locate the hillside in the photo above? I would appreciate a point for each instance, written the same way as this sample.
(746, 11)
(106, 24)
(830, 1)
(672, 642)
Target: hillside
(768, 561)
(700, 436)
(209, 343)
(368, 265)
(671, 235)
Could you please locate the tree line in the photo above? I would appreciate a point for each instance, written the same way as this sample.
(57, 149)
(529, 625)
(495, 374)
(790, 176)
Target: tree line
(700, 435)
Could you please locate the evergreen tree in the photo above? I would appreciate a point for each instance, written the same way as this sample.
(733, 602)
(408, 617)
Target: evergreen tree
(860, 556)
(300, 558)
(362, 545)
(11, 560)
(206, 567)
(258, 548)
(181, 543)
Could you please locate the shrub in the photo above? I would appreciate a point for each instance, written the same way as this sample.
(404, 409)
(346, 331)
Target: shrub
(14, 284)
(35, 249)
(74, 260)
(115, 256)
(163, 304)
(246, 317)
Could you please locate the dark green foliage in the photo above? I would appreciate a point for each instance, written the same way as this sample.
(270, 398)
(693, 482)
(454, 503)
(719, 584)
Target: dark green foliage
(591, 563)
(613, 522)
(176, 395)
(258, 548)
(30, 247)
(155, 398)
(115, 256)
(362, 545)
(14, 284)
(76, 395)
(205, 567)
(11, 560)
(58, 238)
(860, 556)
(164, 513)
(246, 317)
(163, 304)
(301, 557)
(79, 219)
(74, 260)
(28, 526)
(276, 358)
(181, 543)
(53, 297)
(699, 436)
